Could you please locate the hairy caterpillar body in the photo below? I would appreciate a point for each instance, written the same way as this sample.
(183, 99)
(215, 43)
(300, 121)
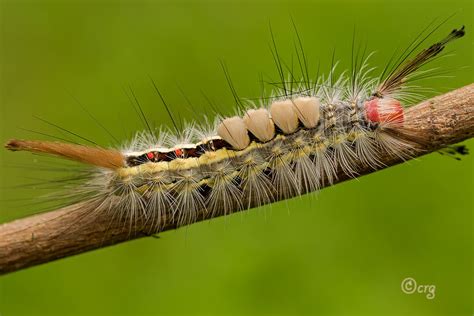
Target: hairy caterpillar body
(293, 143)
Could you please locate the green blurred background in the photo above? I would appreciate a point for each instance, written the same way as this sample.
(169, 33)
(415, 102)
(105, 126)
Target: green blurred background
(344, 251)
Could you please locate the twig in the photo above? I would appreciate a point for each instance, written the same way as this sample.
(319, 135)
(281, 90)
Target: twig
(443, 120)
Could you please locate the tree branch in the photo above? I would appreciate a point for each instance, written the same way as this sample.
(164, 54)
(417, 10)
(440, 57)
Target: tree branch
(443, 120)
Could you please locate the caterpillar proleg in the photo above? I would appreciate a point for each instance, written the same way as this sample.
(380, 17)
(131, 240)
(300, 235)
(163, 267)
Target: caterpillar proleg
(292, 143)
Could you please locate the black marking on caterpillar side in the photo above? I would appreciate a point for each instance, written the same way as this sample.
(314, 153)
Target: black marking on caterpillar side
(193, 152)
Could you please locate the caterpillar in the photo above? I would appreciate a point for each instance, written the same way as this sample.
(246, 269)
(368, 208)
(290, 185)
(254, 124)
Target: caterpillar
(291, 143)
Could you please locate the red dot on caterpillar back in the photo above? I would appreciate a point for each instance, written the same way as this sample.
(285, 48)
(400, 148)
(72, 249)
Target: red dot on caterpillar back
(178, 152)
(384, 110)
(150, 155)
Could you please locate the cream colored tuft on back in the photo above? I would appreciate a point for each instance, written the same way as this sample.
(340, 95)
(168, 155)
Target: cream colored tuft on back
(234, 131)
(258, 122)
(284, 116)
(307, 109)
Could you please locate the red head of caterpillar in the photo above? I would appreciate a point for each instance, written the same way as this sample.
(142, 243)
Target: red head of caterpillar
(384, 110)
